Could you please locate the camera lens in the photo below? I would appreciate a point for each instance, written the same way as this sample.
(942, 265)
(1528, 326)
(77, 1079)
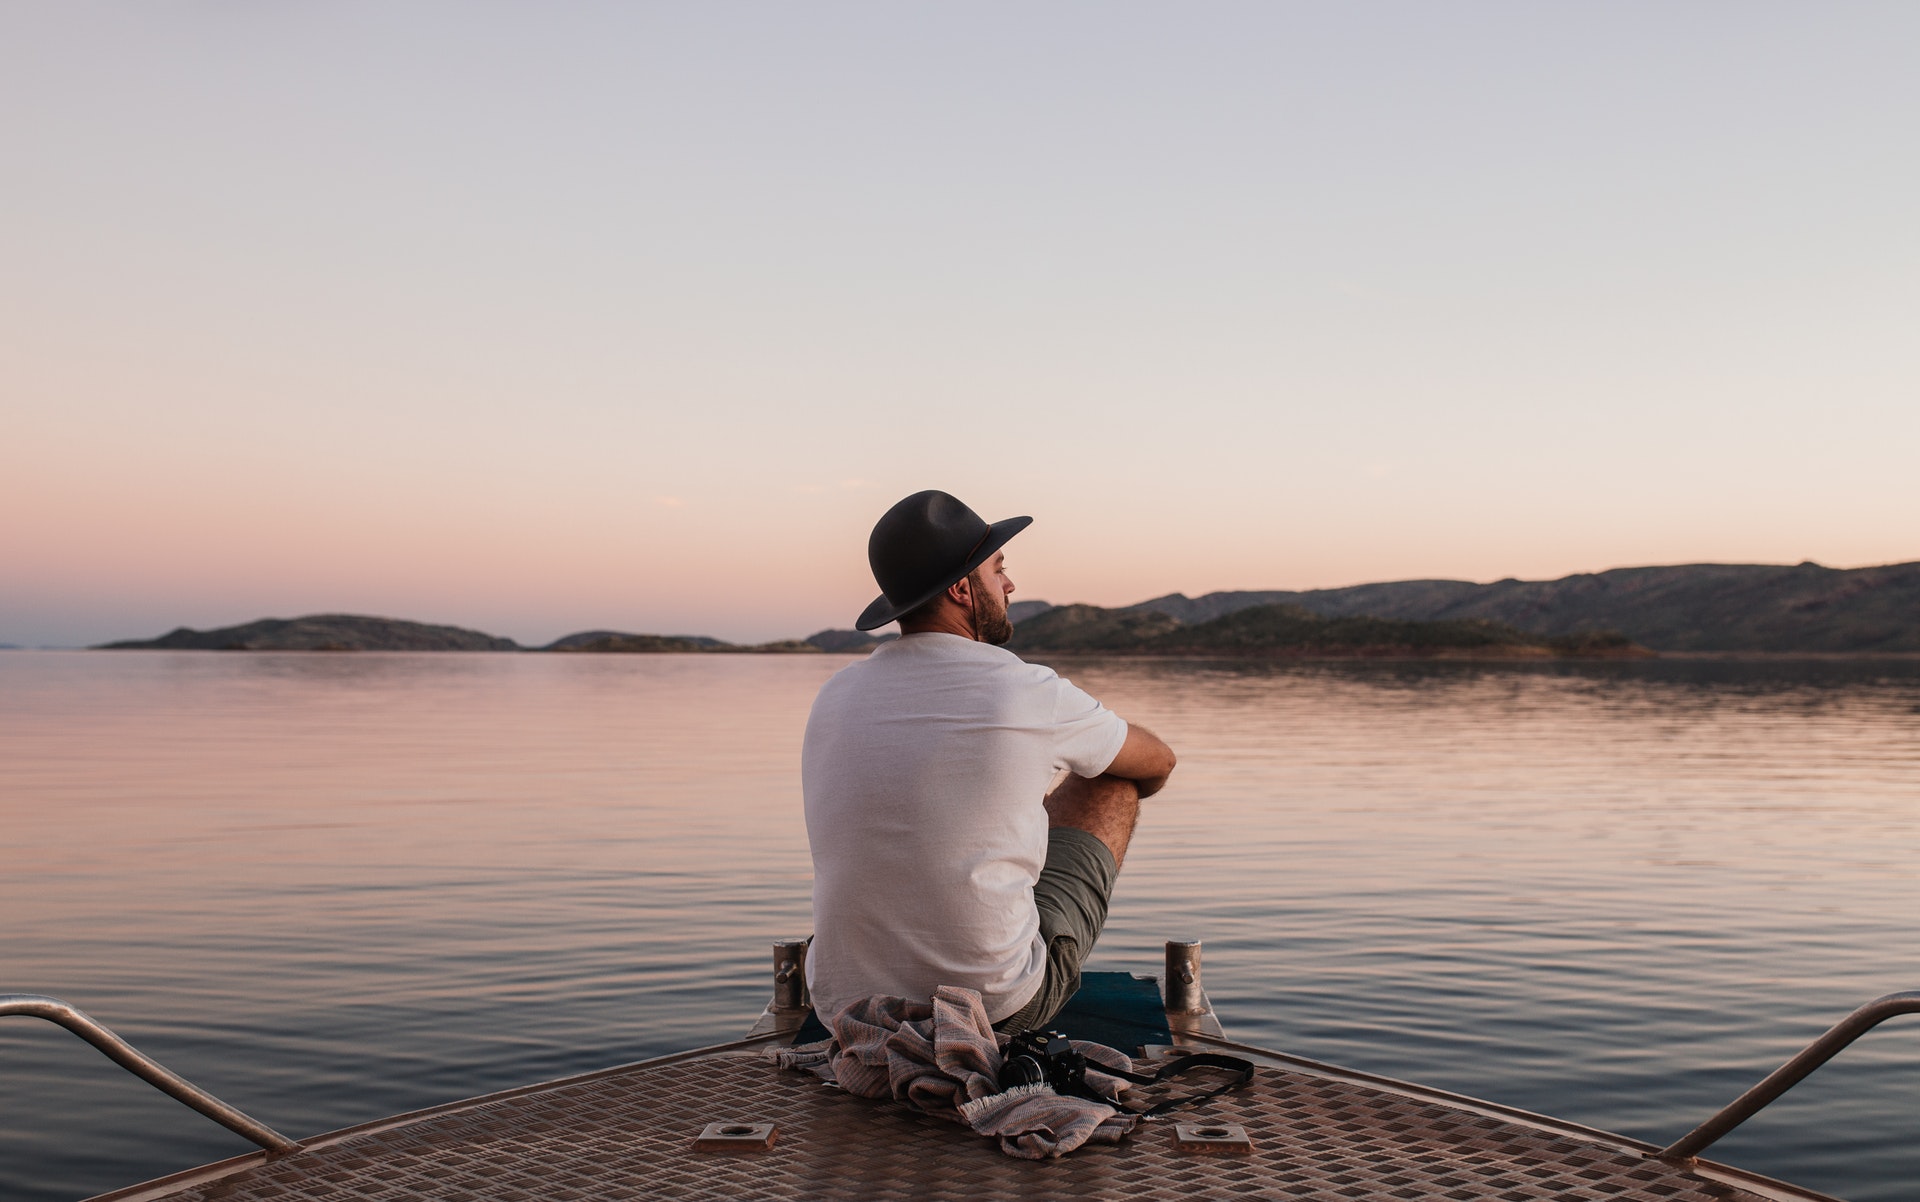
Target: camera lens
(1021, 1070)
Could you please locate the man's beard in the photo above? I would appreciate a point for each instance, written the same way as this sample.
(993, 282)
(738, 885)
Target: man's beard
(991, 627)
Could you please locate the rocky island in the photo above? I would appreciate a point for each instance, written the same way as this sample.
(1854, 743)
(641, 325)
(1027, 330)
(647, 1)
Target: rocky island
(321, 632)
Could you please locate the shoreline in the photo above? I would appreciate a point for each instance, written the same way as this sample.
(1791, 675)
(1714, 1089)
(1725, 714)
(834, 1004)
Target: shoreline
(1263, 656)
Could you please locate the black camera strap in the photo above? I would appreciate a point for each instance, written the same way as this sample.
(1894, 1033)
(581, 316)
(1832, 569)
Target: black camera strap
(1174, 1068)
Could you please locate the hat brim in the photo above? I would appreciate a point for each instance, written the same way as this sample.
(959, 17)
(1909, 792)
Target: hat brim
(883, 610)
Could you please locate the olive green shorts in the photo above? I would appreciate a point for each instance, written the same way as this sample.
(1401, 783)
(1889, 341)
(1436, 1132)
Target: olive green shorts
(1071, 895)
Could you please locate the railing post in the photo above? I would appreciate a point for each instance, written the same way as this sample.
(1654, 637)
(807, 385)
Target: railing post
(1817, 1053)
(125, 1055)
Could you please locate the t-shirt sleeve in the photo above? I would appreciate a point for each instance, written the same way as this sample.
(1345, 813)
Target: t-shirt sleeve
(1086, 734)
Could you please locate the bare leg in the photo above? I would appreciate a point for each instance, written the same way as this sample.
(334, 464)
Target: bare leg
(1106, 807)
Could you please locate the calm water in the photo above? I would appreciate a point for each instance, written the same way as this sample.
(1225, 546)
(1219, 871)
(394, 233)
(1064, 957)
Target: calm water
(329, 888)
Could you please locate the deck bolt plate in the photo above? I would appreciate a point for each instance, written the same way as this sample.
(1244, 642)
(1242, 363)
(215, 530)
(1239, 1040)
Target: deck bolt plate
(734, 1137)
(1211, 1137)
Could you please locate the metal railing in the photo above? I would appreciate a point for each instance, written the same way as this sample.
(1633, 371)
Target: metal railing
(144, 1067)
(1817, 1053)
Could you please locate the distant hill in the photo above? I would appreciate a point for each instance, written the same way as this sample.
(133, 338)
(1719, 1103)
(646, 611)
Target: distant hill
(609, 642)
(1020, 611)
(322, 632)
(1091, 628)
(1290, 631)
(618, 640)
(1399, 598)
(602, 641)
(835, 641)
(1687, 607)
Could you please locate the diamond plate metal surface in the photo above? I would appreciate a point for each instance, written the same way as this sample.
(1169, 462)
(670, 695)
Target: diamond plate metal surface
(629, 1135)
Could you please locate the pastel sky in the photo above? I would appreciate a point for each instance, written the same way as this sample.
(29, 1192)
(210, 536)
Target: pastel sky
(538, 318)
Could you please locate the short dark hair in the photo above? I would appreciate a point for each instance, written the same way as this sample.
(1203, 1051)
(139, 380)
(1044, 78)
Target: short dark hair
(924, 611)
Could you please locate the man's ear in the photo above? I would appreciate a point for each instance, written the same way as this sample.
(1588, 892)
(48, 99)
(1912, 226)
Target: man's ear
(961, 592)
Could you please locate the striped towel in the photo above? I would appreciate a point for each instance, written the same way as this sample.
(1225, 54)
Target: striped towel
(943, 1057)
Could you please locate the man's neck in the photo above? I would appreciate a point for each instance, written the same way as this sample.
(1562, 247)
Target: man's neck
(950, 620)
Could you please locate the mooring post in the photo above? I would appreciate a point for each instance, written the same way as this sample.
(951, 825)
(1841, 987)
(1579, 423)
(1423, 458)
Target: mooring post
(1184, 994)
(790, 974)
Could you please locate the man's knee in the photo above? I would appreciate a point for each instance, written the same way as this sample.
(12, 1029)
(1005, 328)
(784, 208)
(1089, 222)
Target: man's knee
(1106, 807)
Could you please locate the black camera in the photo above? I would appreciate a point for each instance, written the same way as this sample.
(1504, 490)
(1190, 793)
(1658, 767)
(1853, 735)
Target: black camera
(1043, 1058)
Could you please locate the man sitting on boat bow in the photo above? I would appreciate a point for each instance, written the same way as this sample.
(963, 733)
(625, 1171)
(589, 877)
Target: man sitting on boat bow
(940, 857)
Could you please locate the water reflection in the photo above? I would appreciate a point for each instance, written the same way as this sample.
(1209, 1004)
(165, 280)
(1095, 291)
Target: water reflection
(336, 886)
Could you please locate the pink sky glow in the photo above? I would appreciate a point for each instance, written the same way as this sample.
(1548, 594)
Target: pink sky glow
(636, 318)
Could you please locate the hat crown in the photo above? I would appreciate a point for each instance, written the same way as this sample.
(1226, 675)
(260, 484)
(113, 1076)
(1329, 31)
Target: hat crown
(921, 545)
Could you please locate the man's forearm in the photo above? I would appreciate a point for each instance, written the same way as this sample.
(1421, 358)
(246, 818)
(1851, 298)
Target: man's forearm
(1148, 787)
(1144, 788)
(1145, 760)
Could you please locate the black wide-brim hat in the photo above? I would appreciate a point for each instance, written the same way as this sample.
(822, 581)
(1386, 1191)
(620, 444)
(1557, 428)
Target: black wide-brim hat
(922, 545)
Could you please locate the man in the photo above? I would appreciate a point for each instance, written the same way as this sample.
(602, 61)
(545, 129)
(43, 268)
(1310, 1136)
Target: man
(940, 857)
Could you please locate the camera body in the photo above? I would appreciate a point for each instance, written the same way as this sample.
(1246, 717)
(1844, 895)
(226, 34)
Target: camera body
(1043, 1058)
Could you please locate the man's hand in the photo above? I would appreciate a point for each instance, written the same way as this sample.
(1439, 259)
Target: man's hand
(1144, 760)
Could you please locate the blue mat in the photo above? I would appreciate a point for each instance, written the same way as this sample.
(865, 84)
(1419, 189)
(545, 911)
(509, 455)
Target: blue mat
(1114, 1008)
(1117, 1009)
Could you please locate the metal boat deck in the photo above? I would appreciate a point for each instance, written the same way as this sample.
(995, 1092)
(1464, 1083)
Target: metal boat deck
(725, 1123)
(1316, 1133)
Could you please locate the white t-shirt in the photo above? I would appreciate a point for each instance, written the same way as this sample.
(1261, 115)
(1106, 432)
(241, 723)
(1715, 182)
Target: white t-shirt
(925, 769)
